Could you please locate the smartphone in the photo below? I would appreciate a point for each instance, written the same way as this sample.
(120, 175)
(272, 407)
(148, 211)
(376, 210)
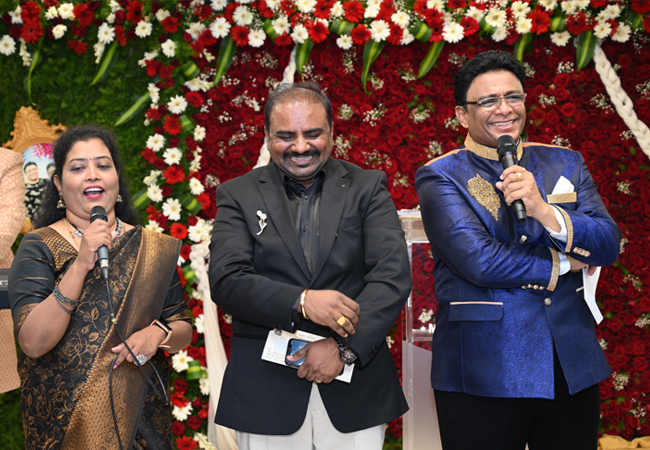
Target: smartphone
(293, 346)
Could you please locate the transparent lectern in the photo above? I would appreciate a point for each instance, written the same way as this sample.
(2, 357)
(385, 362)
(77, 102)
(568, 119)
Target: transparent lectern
(420, 423)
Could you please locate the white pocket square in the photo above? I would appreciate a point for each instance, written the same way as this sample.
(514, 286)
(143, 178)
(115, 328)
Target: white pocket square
(563, 186)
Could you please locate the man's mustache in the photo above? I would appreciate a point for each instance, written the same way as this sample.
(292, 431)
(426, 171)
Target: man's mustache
(310, 152)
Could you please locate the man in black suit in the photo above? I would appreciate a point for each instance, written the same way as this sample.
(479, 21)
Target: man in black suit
(309, 243)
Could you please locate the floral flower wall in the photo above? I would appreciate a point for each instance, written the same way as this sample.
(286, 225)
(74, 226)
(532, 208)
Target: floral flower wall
(196, 134)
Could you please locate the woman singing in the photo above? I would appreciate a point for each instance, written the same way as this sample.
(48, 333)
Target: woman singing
(75, 389)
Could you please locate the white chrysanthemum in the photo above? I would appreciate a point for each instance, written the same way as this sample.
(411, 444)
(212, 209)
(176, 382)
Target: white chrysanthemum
(162, 14)
(196, 187)
(242, 16)
(177, 104)
(169, 48)
(218, 5)
(273, 4)
(379, 30)
(172, 156)
(195, 84)
(154, 93)
(154, 192)
(407, 38)
(110, 18)
(438, 4)
(622, 33)
(582, 4)
(156, 142)
(256, 38)
(154, 226)
(66, 11)
(561, 39)
(172, 209)
(300, 34)
(15, 16)
(520, 9)
(51, 13)
(106, 34)
(114, 5)
(220, 28)
(199, 324)
(475, 13)
(500, 34)
(371, 12)
(7, 45)
(344, 41)
(602, 30)
(337, 11)
(281, 25)
(59, 30)
(199, 232)
(143, 29)
(569, 7)
(204, 385)
(612, 12)
(400, 18)
(549, 5)
(453, 32)
(496, 18)
(181, 414)
(195, 29)
(199, 133)
(523, 25)
(151, 178)
(306, 6)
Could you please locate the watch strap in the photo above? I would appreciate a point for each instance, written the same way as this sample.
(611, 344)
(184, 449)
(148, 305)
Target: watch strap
(167, 329)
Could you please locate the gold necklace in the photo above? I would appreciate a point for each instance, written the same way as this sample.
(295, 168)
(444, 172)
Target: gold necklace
(74, 238)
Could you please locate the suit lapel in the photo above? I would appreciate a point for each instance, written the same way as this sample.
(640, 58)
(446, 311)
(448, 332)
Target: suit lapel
(273, 193)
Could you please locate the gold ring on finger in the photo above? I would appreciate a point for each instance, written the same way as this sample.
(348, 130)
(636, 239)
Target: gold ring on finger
(341, 320)
(317, 381)
(519, 176)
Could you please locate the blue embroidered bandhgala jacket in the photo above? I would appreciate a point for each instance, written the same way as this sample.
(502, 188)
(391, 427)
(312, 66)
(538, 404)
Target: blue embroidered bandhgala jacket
(502, 304)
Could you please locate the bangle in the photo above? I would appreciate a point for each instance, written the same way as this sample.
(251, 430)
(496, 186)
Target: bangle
(167, 329)
(58, 295)
(303, 294)
(62, 306)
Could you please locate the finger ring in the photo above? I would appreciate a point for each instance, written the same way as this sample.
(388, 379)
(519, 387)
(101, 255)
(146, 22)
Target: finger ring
(141, 359)
(341, 320)
(519, 176)
(317, 381)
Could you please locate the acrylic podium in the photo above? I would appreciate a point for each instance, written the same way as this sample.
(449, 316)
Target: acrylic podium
(420, 423)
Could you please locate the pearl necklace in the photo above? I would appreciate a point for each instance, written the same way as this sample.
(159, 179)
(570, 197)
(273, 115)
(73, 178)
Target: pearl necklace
(77, 232)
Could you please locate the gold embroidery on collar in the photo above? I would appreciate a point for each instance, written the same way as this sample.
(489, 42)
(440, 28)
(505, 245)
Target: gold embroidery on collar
(483, 191)
(488, 152)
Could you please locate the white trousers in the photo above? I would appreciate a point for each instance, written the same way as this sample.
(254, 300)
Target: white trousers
(316, 433)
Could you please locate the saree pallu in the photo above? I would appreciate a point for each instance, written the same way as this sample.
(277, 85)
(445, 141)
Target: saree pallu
(65, 397)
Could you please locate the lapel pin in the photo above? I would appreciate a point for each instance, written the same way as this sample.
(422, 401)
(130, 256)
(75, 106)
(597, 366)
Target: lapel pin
(262, 221)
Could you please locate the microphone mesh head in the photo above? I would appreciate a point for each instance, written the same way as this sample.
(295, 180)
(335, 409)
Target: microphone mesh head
(506, 145)
(98, 212)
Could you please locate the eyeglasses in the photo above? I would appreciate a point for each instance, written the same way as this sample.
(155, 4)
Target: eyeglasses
(495, 102)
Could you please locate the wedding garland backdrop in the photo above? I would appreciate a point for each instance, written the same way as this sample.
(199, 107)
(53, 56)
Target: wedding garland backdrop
(190, 116)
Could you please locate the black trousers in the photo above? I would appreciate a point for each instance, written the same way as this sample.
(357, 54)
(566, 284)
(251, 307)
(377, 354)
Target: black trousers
(569, 422)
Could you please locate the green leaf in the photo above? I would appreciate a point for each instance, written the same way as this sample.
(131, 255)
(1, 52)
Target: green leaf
(133, 110)
(421, 31)
(586, 46)
(36, 58)
(637, 21)
(192, 204)
(520, 46)
(190, 70)
(189, 275)
(302, 54)
(141, 200)
(431, 58)
(269, 30)
(108, 62)
(557, 23)
(227, 51)
(371, 50)
(341, 27)
(186, 123)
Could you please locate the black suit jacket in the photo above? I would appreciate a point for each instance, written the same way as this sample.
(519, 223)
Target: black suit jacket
(258, 277)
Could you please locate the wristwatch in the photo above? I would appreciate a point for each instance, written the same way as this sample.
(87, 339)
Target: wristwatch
(166, 329)
(345, 354)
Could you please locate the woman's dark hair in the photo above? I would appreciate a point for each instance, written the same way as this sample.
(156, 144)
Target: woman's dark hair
(488, 61)
(48, 213)
(307, 90)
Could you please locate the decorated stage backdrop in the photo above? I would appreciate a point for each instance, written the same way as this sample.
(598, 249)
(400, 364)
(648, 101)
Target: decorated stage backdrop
(184, 85)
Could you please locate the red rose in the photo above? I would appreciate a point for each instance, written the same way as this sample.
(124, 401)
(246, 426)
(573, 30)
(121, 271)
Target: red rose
(205, 412)
(180, 385)
(568, 109)
(194, 98)
(185, 251)
(119, 35)
(194, 422)
(166, 190)
(178, 428)
(78, 46)
(178, 230)
(283, 39)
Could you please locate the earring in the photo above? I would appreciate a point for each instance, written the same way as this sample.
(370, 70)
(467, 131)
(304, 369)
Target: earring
(60, 204)
(118, 199)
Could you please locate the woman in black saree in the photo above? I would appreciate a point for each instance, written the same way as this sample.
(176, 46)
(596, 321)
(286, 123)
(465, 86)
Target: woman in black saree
(72, 353)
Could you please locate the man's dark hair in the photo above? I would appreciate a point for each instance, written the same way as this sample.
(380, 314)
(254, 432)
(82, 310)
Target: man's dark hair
(305, 91)
(48, 213)
(489, 61)
(30, 163)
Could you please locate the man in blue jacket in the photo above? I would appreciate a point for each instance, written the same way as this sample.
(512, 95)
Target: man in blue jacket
(515, 353)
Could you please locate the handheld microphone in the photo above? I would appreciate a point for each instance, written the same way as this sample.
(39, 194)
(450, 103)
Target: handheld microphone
(507, 151)
(98, 213)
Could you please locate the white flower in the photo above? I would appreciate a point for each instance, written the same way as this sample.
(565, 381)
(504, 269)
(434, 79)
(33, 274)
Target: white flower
(195, 165)
(106, 33)
(154, 192)
(622, 33)
(407, 38)
(602, 30)
(438, 4)
(242, 16)
(204, 385)
(196, 84)
(561, 39)
(181, 414)
(306, 6)
(496, 18)
(154, 226)
(66, 11)
(299, 34)
(523, 25)
(520, 9)
(172, 156)
(177, 104)
(379, 30)
(199, 324)
(218, 5)
(400, 18)
(172, 209)
(220, 28)
(337, 11)
(196, 187)
(51, 13)
(152, 177)
(199, 232)
(453, 32)
(612, 12)
(256, 38)
(281, 25)
(98, 48)
(162, 14)
(143, 29)
(180, 361)
(154, 94)
(548, 4)
(169, 48)
(156, 142)
(500, 34)
(7, 45)
(199, 133)
(15, 15)
(344, 41)
(371, 12)
(475, 13)
(59, 30)
(569, 7)
(195, 29)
